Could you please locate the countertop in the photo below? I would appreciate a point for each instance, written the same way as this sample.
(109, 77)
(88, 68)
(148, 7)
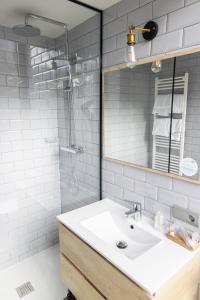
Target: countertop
(150, 270)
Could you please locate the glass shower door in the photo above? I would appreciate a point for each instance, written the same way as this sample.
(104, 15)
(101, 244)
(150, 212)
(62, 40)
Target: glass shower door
(78, 118)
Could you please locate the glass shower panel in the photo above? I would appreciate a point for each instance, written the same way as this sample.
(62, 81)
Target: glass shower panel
(78, 117)
(29, 149)
(49, 128)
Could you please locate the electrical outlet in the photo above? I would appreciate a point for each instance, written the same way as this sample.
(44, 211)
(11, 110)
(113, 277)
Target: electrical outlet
(185, 215)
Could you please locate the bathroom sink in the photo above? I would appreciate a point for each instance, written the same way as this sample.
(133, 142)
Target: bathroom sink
(121, 234)
(135, 248)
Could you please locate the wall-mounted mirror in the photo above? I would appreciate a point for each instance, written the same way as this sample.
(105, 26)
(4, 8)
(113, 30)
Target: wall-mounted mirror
(152, 115)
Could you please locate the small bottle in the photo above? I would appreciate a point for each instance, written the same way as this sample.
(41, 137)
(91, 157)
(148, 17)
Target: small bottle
(171, 229)
(159, 221)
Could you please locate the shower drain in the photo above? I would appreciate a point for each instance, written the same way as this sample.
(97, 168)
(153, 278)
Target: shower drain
(122, 244)
(24, 289)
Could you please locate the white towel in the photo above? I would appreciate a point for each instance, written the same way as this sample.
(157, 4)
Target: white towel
(162, 105)
(162, 127)
(176, 129)
(178, 104)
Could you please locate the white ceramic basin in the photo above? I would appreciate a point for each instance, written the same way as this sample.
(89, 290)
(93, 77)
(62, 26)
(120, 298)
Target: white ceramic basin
(150, 259)
(112, 229)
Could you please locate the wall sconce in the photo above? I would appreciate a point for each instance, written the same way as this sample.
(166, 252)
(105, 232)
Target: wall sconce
(156, 66)
(149, 32)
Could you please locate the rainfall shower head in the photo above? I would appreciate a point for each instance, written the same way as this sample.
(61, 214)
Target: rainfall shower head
(26, 30)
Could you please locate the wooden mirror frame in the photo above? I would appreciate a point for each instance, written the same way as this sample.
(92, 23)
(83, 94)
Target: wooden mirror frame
(150, 59)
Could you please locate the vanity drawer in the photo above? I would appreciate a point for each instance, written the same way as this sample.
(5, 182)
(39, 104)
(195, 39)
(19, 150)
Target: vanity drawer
(111, 283)
(76, 282)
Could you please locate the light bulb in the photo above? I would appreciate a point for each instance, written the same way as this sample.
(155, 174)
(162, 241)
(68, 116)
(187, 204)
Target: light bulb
(156, 66)
(131, 59)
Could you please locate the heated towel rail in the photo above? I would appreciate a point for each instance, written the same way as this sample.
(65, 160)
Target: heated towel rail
(161, 157)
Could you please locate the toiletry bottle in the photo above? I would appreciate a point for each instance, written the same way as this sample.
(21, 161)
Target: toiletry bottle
(159, 221)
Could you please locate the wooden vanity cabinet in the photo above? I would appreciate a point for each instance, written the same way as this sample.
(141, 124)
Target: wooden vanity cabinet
(91, 277)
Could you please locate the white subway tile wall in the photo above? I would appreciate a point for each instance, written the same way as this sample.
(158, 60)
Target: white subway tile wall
(127, 114)
(29, 155)
(179, 28)
(168, 42)
(29, 172)
(35, 177)
(161, 7)
(172, 16)
(125, 6)
(140, 15)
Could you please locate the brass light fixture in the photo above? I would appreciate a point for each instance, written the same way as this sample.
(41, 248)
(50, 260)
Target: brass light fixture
(149, 32)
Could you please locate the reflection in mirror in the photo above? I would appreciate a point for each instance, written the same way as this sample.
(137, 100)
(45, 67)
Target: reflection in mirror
(132, 117)
(152, 115)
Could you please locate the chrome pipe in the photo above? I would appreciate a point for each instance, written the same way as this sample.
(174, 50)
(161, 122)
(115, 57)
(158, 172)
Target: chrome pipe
(33, 16)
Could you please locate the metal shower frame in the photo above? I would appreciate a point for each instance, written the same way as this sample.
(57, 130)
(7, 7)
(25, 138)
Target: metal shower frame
(34, 16)
(101, 91)
(51, 21)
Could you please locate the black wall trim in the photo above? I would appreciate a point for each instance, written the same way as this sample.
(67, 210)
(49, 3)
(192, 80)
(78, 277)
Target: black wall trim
(100, 92)
(101, 106)
(85, 5)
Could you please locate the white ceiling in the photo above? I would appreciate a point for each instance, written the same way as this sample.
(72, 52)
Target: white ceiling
(12, 13)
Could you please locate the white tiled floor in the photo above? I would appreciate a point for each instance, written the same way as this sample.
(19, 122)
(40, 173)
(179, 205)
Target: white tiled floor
(42, 270)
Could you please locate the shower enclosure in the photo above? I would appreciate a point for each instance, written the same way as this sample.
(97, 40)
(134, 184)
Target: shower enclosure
(50, 76)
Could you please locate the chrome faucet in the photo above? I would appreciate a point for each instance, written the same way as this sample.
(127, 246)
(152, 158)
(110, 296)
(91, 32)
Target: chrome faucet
(135, 211)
